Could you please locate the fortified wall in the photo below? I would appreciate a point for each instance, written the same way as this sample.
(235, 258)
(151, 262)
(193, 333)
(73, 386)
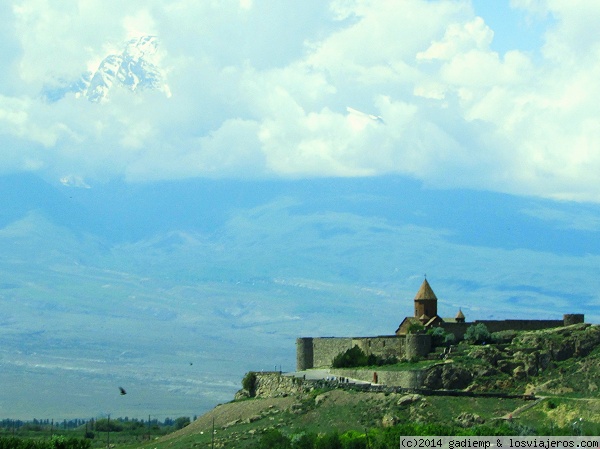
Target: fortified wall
(319, 352)
(410, 379)
(459, 329)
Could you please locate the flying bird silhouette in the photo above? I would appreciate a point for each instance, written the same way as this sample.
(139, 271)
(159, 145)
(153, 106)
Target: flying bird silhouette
(122, 390)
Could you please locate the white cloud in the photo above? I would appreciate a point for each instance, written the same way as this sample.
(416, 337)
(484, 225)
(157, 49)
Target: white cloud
(261, 89)
(459, 38)
(139, 24)
(74, 181)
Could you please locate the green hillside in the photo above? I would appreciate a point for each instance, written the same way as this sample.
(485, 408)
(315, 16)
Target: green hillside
(552, 374)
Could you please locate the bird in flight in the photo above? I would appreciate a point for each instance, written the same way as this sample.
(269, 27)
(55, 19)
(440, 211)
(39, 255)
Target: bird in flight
(122, 390)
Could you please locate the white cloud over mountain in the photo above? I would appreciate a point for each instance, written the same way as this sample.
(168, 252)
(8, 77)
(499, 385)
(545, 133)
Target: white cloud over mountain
(260, 89)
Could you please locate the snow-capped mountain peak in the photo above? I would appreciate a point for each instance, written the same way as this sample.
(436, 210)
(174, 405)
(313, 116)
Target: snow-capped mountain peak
(135, 67)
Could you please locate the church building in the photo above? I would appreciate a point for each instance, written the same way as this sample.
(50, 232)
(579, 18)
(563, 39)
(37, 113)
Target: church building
(426, 317)
(426, 314)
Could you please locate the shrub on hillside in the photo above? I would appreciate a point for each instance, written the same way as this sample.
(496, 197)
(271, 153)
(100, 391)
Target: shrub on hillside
(329, 441)
(351, 358)
(304, 440)
(249, 383)
(415, 328)
(449, 338)
(478, 334)
(274, 439)
(354, 440)
(355, 357)
(439, 336)
(506, 336)
(182, 422)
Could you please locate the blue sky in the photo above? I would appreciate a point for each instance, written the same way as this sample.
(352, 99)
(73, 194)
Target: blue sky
(296, 163)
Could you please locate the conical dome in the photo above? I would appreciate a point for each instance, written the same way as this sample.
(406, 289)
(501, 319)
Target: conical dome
(425, 292)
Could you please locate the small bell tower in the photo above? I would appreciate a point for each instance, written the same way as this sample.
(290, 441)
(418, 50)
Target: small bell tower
(425, 301)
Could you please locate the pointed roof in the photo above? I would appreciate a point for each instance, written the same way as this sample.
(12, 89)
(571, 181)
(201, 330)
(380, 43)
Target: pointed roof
(425, 292)
(460, 315)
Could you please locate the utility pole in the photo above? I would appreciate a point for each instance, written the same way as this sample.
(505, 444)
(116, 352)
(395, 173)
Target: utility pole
(108, 432)
(213, 434)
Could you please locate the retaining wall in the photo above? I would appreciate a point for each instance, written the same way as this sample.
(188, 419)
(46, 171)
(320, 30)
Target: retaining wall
(405, 379)
(272, 384)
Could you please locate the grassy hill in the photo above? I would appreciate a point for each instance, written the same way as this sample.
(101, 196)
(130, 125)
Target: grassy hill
(559, 366)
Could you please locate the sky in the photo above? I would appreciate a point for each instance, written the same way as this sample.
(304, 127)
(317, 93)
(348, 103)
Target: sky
(280, 169)
(497, 96)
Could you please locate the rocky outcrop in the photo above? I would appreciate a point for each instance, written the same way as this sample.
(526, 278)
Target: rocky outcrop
(389, 420)
(531, 353)
(408, 399)
(564, 342)
(468, 419)
(242, 394)
(447, 377)
(487, 353)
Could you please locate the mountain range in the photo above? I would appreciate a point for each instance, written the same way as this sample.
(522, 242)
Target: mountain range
(174, 290)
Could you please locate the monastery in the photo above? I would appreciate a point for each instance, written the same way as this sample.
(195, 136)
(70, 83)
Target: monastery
(411, 338)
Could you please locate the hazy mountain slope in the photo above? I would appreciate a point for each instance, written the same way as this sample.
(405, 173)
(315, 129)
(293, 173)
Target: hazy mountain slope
(130, 284)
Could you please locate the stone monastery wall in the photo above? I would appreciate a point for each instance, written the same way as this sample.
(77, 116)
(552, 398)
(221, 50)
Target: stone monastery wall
(320, 352)
(459, 329)
(405, 379)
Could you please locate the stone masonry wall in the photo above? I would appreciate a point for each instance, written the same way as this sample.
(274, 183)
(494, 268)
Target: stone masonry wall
(325, 349)
(459, 329)
(404, 379)
(417, 345)
(320, 352)
(273, 384)
(383, 346)
(573, 318)
(304, 353)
